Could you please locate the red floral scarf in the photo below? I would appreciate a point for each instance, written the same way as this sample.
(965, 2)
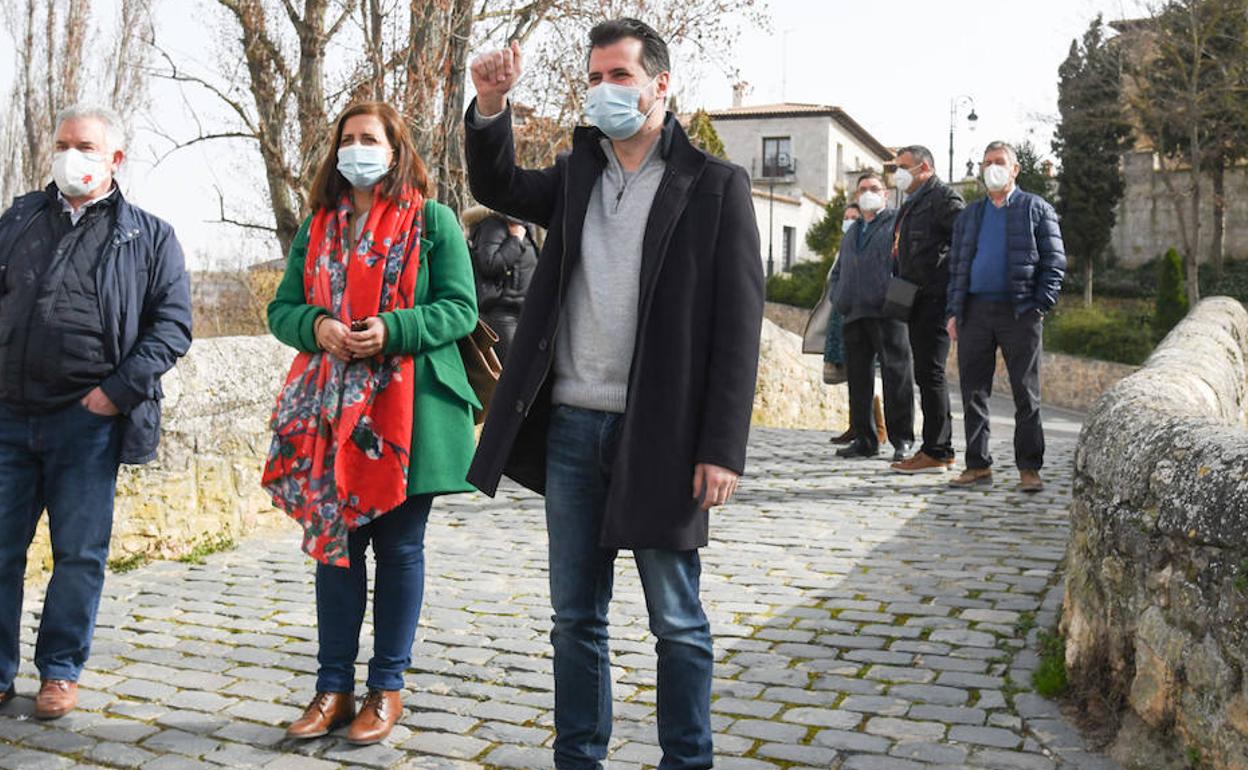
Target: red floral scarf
(342, 432)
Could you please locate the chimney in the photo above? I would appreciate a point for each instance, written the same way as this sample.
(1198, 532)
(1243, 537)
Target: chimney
(739, 91)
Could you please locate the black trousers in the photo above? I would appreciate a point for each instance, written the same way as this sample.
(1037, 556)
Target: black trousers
(985, 327)
(865, 339)
(929, 341)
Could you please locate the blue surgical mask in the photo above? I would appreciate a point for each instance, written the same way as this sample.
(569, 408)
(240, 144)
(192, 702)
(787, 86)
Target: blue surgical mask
(363, 165)
(614, 109)
(846, 224)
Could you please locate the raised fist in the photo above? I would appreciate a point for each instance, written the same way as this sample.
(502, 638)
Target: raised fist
(494, 74)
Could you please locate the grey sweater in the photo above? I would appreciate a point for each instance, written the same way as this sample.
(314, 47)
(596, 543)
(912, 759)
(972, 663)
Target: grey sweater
(594, 347)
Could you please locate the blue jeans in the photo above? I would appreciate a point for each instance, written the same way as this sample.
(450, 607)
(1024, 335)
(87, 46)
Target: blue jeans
(582, 446)
(65, 462)
(398, 540)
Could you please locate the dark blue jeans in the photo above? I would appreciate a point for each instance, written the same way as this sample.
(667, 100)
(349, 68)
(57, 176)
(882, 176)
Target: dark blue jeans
(398, 540)
(65, 462)
(582, 446)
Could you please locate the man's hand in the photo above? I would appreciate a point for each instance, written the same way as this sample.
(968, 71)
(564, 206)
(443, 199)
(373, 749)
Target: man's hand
(494, 74)
(713, 485)
(96, 402)
(331, 335)
(516, 230)
(952, 326)
(369, 341)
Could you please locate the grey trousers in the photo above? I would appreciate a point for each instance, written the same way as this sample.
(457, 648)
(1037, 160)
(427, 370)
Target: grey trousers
(985, 327)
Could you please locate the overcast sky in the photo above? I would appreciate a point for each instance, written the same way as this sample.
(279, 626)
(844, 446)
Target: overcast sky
(892, 66)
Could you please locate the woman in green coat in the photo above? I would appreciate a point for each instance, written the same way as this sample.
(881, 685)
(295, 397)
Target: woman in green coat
(375, 418)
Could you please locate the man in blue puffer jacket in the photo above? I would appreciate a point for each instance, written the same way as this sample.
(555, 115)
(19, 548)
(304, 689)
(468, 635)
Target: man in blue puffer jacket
(95, 306)
(1005, 272)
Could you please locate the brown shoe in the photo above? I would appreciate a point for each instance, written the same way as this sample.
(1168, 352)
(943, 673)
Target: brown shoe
(920, 462)
(56, 698)
(1030, 481)
(327, 711)
(973, 477)
(845, 438)
(378, 714)
(8, 695)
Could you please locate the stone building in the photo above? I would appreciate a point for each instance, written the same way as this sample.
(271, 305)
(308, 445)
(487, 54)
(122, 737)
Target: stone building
(798, 156)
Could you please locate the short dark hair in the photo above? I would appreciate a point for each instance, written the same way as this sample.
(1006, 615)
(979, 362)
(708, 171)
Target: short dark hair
(919, 153)
(853, 206)
(654, 55)
(869, 174)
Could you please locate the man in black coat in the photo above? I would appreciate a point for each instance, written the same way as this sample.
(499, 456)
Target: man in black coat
(921, 236)
(630, 383)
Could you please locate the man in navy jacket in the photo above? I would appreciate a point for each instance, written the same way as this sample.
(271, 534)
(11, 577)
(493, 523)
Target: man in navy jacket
(1005, 272)
(94, 307)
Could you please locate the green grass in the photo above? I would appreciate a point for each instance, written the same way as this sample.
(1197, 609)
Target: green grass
(126, 564)
(1241, 580)
(206, 548)
(1049, 678)
(1026, 622)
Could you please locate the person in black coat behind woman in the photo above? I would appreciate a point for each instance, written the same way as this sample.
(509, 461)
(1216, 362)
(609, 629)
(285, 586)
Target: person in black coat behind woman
(504, 256)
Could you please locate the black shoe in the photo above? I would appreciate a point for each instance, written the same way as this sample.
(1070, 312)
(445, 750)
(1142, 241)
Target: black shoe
(902, 451)
(857, 449)
(844, 438)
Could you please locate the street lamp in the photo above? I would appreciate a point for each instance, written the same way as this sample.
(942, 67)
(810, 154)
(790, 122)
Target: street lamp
(954, 104)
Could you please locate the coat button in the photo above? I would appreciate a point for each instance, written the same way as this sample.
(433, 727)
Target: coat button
(520, 407)
(543, 345)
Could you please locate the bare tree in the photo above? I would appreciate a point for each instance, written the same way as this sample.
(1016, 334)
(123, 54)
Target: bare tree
(1193, 71)
(414, 55)
(51, 41)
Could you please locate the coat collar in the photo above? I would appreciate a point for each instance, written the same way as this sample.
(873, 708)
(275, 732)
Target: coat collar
(684, 165)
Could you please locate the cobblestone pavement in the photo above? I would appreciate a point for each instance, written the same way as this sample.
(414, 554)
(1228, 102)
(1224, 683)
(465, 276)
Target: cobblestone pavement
(863, 621)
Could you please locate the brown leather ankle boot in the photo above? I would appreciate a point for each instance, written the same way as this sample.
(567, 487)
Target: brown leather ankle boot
(378, 715)
(327, 711)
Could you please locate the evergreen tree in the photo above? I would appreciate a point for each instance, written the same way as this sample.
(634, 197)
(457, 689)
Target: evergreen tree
(1172, 304)
(824, 236)
(1091, 137)
(704, 136)
(1031, 176)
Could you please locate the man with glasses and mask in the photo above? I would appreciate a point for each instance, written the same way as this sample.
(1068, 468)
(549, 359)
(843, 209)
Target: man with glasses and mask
(862, 272)
(921, 240)
(1005, 272)
(629, 385)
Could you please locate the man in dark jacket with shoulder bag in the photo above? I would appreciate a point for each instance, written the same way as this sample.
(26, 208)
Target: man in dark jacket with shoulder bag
(921, 237)
(629, 386)
(1005, 272)
(94, 308)
(863, 270)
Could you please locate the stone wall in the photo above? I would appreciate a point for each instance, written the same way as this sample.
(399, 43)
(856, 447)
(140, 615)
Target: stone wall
(790, 391)
(204, 486)
(1146, 223)
(1156, 606)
